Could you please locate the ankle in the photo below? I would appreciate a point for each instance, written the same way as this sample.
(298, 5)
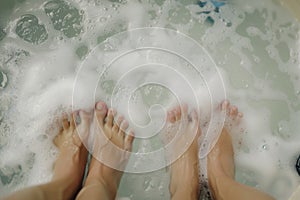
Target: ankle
(217, 185)
(60, 188)
(108, 185)
(185, 187)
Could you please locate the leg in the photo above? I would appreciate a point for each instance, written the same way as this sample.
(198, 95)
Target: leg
(221, 167)
(184, 171)
(104, 177)
(69, 166)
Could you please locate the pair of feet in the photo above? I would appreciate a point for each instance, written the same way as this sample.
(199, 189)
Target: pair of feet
(184, 182)
(111, 144)
(110, 133)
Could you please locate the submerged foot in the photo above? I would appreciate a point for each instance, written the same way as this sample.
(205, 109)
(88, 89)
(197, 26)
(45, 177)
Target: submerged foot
(112, 147)
(221, 159)
(184, 171)
(70, 164)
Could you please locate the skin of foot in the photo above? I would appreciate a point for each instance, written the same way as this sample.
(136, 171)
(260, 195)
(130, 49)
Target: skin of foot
(221, 158)
(69, 166)
(184, 182)
(220, 164)
(72, 158)
(111, 151)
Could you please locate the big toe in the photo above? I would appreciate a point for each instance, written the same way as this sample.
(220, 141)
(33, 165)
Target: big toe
(85, 117)
(171, 116)
(82, 126)
(180, 111)
(100, 112)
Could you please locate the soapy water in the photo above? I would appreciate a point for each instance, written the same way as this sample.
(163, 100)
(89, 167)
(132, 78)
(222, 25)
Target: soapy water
(138, 61)
(52, 61)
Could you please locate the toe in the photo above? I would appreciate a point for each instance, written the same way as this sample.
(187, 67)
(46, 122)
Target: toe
(123, 127)
(73, 119)
(101, 112)
(184, 110)
(85, 117)
(233, 111)
(110, 118)
(83, 128)
(194, 117)
(117, 124)
(225, 104)
(177, 113)
(56, 140)
(171, 117)
(128, 141)
(65, 121)
(240, 115)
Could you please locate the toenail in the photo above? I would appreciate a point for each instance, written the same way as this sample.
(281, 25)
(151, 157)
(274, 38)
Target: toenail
(99, 106)
(112, 112)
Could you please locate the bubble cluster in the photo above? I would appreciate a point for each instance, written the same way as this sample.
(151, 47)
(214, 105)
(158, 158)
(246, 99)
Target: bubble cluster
(64, 17)
(29, 29)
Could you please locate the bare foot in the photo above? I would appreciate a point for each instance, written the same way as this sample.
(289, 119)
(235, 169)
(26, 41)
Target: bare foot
(184, 182)
(70, 164)
(111, 152)
(221, 159)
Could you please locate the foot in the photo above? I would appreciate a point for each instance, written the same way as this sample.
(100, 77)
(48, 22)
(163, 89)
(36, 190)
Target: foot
(112, 149)
(70, 164)
(184, 171)
(221, 159)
